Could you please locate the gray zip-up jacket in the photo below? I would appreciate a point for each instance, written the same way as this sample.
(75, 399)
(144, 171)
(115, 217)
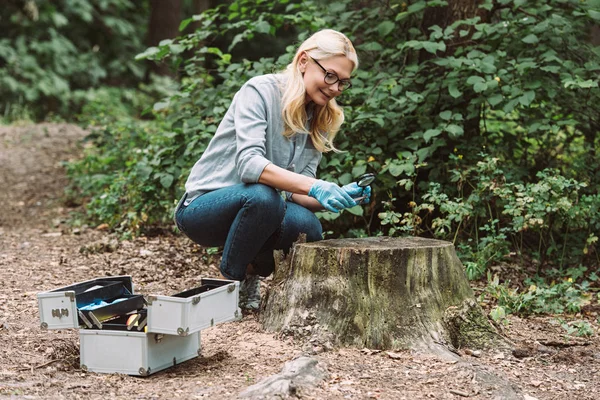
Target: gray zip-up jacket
(248, 139)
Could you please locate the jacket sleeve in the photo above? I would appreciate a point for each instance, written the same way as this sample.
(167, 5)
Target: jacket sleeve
(250, 121)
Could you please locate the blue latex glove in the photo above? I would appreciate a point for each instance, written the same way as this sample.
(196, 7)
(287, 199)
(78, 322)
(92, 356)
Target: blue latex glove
(356, 191)
(331, 196)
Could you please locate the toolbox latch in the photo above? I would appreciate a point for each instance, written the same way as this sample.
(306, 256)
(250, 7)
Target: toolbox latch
(196, 300)
(183, 332)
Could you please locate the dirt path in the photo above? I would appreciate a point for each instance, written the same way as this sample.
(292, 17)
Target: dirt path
(39, 251)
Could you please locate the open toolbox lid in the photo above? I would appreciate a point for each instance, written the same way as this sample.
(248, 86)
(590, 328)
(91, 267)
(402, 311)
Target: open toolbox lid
(213, 302)
(87, 303)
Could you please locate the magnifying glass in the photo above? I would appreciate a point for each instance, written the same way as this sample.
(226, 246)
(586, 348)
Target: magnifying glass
(363, 181)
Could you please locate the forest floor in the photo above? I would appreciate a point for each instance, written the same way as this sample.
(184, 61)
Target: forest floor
(40, 251)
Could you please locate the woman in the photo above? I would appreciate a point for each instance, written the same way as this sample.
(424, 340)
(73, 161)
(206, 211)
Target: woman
(271, 141)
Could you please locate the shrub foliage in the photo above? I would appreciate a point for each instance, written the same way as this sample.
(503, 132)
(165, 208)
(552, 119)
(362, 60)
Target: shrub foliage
(480, 124)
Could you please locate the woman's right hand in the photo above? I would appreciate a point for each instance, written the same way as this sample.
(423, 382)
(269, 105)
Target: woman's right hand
(331, 196)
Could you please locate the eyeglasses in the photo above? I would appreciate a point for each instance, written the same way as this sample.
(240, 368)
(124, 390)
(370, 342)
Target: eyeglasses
(331, 78)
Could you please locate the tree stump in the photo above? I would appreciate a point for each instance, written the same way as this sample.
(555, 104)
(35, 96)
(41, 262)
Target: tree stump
(378, 293)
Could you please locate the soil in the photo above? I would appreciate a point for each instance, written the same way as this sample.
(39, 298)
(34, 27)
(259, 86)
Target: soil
(40, 250)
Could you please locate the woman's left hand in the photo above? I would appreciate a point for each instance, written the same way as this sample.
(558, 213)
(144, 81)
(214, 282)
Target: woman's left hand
(355, 191)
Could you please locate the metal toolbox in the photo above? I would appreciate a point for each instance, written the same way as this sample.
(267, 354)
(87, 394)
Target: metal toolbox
(213, 302)
(61, 308)
(134, 353)
(123, 332)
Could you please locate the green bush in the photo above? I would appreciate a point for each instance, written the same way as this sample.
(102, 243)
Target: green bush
(518, 82)
(51, 50)
(548, 219)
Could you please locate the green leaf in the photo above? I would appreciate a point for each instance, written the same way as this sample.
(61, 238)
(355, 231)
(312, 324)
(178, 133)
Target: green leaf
(508, 107)
(236, 39)
(414, 44)
(430, 133)
(396, 169)
(370, 46)
(184, 24)
(166, 180)
(345, 178)
(358, 170)
(480, 87)
(148, 53)
(446, 115)
(176, 48)
(453, 90)
(431, 47)
(356, 210)
(454, 130)
(160, 105)
(416, 7)
(143, 171)
(530, 39)
(495, 99)
(594, 14)
(262, 27)
(59, 19)
(415, 97)
(587, 84)
(527, 98)
(472, 80)
(385, 28)
(379, 121)
(402, 15)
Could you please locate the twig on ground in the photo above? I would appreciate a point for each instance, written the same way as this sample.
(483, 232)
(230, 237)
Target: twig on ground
(459, 393)
(554, 343)
(39, 366)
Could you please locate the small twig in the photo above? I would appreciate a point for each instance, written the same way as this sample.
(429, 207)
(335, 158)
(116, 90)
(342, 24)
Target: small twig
(528, 13)
(459, 393)
(39, 366)
(562, 345)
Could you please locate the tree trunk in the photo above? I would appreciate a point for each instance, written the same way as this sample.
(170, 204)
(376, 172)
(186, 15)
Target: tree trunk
(595, 35)
(381, 293)
(443, 17)
(165, 17)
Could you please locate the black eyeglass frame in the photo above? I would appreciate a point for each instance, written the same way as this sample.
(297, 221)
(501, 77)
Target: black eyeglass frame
(343, 84)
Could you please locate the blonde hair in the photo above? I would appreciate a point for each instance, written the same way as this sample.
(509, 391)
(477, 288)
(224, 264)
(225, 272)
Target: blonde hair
(326, 120)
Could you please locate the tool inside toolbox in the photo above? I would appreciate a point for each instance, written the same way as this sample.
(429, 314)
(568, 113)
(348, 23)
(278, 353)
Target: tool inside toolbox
(134, 321)
(103, 300)
(113, 309)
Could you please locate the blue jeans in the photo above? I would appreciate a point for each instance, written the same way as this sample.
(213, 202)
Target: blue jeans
(250, 221)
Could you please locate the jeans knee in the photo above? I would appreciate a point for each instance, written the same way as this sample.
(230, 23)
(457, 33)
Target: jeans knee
(267, 198)
(314, 231)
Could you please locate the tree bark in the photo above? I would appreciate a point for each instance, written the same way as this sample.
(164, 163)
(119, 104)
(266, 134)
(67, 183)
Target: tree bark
(595, 35)
(381, 293)
(165, 17)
